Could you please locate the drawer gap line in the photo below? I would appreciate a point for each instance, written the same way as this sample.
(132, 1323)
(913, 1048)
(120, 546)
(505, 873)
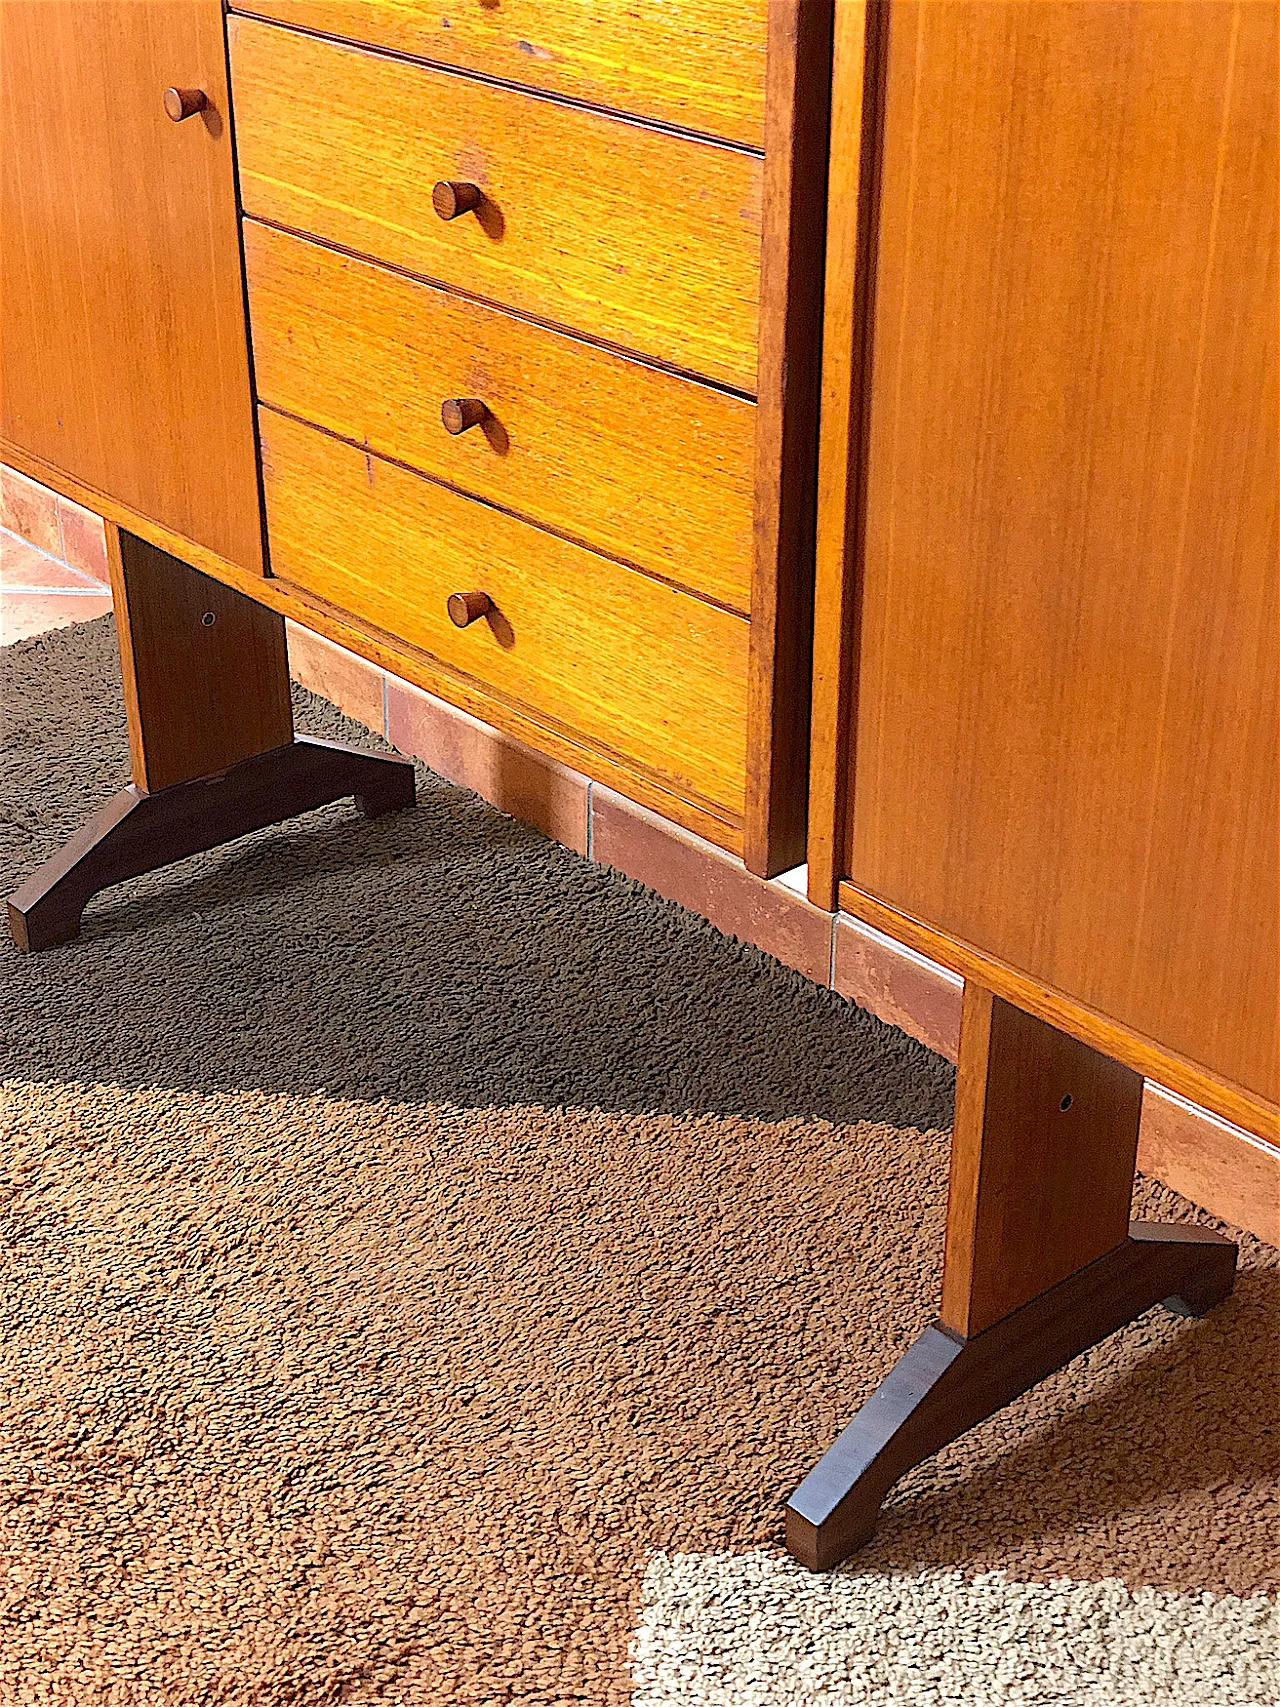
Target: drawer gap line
(502, 510)
(544, 325)
(614, 114)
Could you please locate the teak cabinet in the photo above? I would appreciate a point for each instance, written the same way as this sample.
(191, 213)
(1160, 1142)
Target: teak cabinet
(530, 311)
(492, 347)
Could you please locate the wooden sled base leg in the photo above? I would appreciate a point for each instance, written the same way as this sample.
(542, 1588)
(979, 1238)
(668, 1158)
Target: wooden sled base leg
(944, 1384)
(139, 831)
(1041, 1261)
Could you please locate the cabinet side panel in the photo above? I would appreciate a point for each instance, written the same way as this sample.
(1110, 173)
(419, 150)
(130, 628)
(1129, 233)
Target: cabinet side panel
(787, 387)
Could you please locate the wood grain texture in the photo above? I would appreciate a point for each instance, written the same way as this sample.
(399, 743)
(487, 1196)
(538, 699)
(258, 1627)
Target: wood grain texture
(647, 240)
(643, 669)
(371, 354)
(1144, 1054)
(858, 54)
(700, 65)
(1066, 738)
(122, 335)
(717, 824)
(1042, 1161)
(206, 672)
(789, 364)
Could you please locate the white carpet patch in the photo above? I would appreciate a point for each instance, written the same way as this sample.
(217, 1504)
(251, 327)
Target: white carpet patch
(756, 1630)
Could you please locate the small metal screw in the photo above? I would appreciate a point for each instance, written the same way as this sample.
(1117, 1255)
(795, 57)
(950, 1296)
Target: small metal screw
(208, 619)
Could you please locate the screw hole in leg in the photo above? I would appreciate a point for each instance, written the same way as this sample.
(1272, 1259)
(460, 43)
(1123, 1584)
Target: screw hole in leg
(1065, 1104)
(208, 619)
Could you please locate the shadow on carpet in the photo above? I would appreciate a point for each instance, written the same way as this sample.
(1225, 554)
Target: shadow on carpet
(448, 953)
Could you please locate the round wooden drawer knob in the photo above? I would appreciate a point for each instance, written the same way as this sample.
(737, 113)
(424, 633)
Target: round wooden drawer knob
(459, 413)
(466, 608)
(184, 103)
(450, 199)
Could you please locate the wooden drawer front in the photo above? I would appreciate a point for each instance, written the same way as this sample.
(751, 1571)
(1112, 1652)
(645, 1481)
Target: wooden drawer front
(648, 240)
(699, 64)
(652, 467)
(650, 673)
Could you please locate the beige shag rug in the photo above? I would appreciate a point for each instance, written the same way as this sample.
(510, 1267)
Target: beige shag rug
(429, 1263)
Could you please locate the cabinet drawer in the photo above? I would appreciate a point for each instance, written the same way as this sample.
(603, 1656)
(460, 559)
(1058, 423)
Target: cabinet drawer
(647, 672)
(651, 467)
(632, 235)
(699, 64)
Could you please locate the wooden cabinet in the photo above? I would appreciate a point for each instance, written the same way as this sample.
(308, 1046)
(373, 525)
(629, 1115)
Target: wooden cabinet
(1046, 713)
(1045, 725)
(554, 283)
(123, 358)
(547, 283)
(537, 315)
(624, 309)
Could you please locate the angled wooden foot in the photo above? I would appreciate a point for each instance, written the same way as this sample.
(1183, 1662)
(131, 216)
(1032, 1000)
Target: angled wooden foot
(206, 680)
(137, 832)
(944, 1384)
(1041, 1262)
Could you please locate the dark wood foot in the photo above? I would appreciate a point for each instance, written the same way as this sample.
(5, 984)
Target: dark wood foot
(138, 831)
(945, 1384)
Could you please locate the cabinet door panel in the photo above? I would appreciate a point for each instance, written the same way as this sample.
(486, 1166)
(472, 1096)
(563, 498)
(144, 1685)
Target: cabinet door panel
(1066, 738)
(123, 345)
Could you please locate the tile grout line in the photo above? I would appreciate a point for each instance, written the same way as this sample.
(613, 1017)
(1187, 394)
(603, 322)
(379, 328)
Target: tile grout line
(904, 951)
(58, 592)
(93, 584)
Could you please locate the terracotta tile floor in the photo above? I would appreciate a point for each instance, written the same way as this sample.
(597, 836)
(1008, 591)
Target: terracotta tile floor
(37, 592)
